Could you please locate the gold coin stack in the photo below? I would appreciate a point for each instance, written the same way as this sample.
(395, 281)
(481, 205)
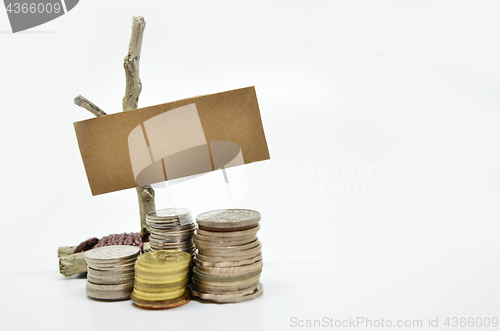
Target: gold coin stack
(161, 279)
(110, 272)
(172, 229)
(228, 262)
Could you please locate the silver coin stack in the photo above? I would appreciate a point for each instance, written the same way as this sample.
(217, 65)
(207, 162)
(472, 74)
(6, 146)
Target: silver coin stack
(172, 229)
(110, 272)
(228, 262)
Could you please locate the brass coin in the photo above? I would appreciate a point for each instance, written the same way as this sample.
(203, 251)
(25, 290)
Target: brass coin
(160, 281)
(159, 296)
(177, 302)
(164, 258)
(160, 287)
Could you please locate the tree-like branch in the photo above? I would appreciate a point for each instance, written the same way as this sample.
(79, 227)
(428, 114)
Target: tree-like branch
(133, 87)
(91, 107)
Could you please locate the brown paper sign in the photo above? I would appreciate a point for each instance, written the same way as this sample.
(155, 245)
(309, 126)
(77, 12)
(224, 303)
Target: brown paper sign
(173, 140)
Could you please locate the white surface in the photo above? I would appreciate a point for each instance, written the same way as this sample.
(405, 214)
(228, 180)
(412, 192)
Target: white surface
(382, 119)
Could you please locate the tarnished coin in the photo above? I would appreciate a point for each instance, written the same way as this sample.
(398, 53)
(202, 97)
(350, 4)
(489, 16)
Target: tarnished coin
(242, 255)
(218, 271)
(110, 281)
(165, 304)
(230, 298)
(106, 274)
(223, 243)
(111, 254)
(228, 219)
(119, 268)
(110, 288)
(229, 284)
(237, 251)
(224, 264)
(202, 277)
(158, 259)
(231, 234)
(223, 289)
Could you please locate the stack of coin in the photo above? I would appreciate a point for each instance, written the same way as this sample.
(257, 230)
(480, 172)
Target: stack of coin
(110, 272)
(161, 280)
(228, 262)
(171, 229)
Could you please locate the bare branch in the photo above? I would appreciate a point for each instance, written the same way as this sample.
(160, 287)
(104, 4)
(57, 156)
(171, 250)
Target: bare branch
(133, 89)
(131, 64)
(91, 107)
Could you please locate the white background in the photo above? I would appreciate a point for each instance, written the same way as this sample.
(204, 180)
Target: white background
(407, 89)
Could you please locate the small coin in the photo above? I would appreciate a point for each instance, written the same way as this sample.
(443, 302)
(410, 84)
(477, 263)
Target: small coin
(229, 298)
(223, 289)
(225, 219)
(222, 285)
(160, 281)
(251, 253)
(111, 254)
(200, 277)
(104, 274)
(231, 234)
(228, 263)
(223, 243)
(165, 304)
(160, 287)
(168, 213)
(109, 288)
(162, 269)
(123, 268)
(221, 271)
(161, 276)
(241, 251)
(157, 296)
(164, 258)
(114, 296)
(110, 281)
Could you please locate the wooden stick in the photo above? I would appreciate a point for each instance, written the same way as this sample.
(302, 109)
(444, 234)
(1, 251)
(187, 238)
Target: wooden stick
(72, 264)
(65, 251)
(133, 87)
(91, 107)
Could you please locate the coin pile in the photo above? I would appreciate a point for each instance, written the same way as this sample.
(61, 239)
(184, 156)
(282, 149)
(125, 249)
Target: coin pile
(228, 262)
(110, 272)
(172, 229)
(161, 280)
